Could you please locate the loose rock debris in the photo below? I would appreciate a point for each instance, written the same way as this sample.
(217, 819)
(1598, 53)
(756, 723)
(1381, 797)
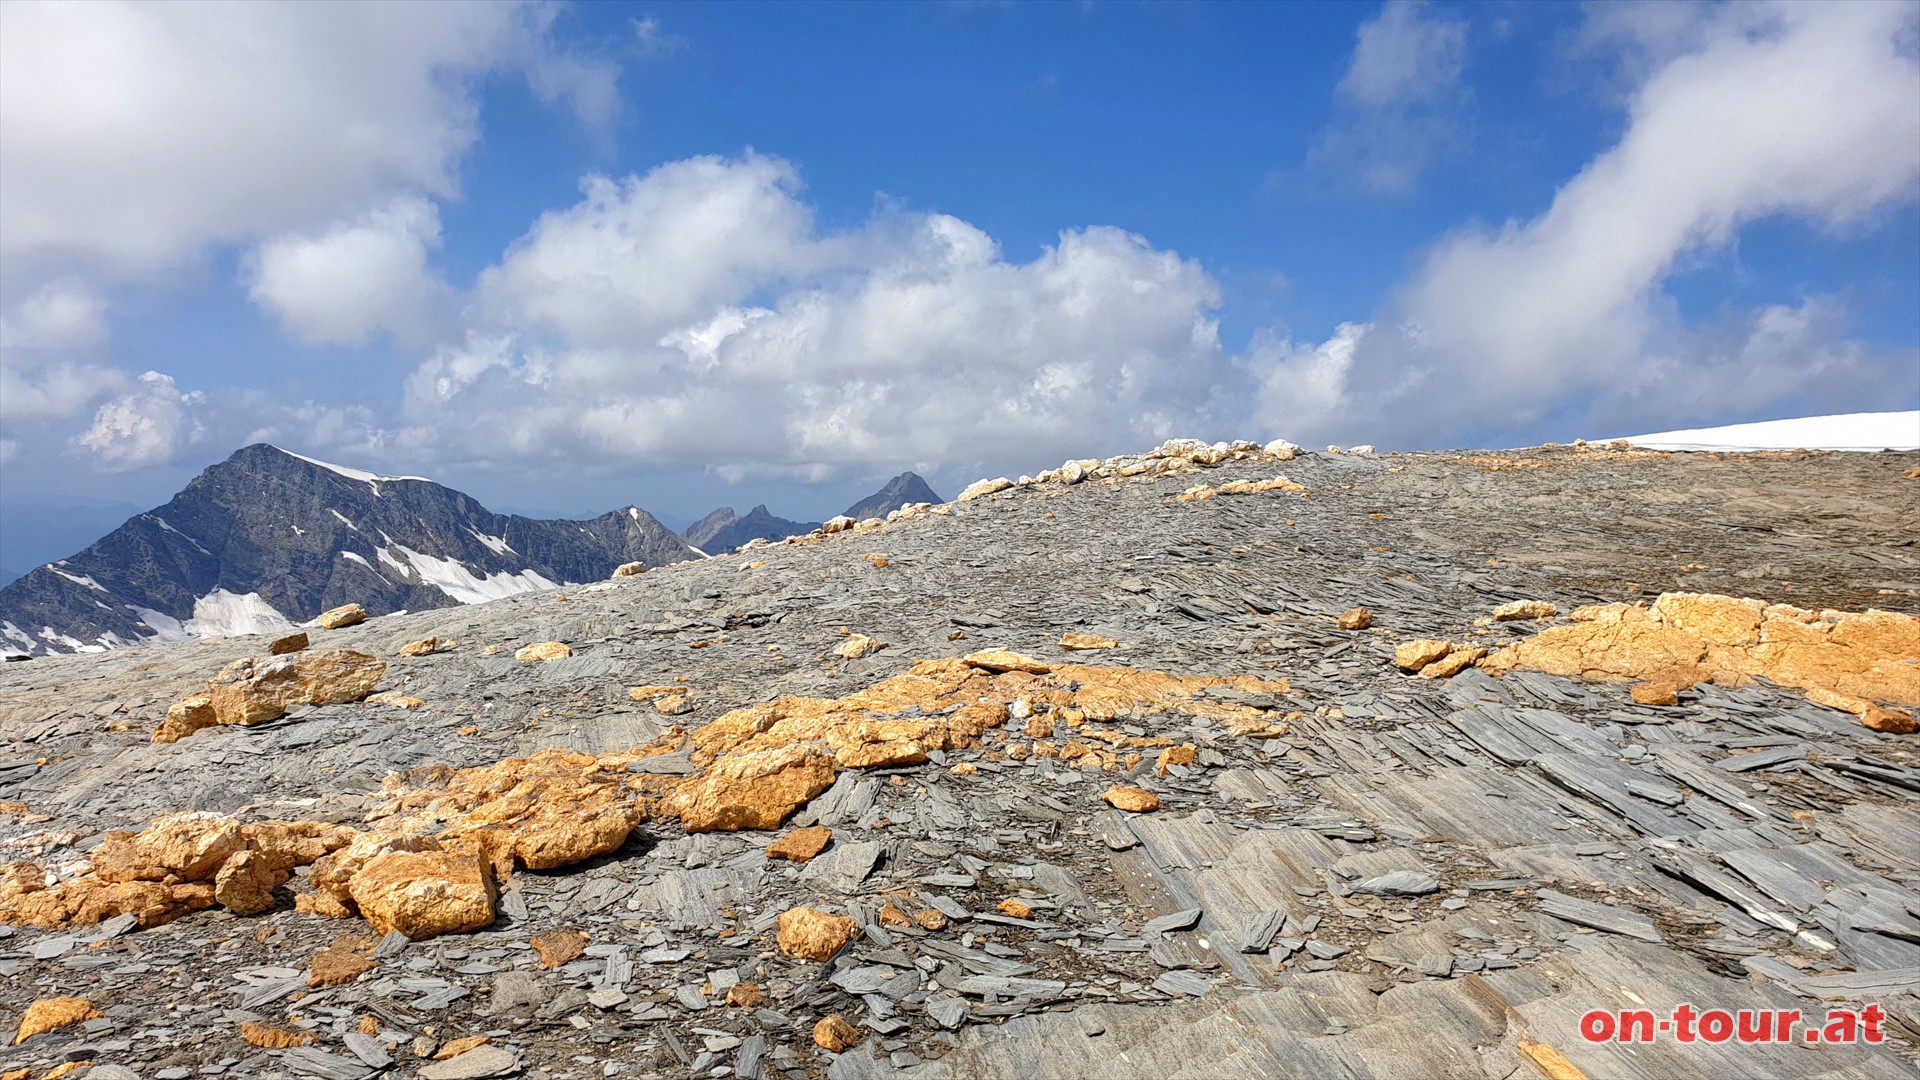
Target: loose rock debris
(1350, 870)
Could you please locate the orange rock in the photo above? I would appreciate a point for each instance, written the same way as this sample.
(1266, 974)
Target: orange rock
(559, 947)
(1655, 693)
(1415, 655)
(814, 935)
(801, 845)
(176, 847)
(835, 1035)
(1133, 799)
(544, 811)
(454, 1048)
(420, 648)
(425, 894)
(398, 701)
(1687, 638)
(343, 616)
(272, 1038)
(543, 650)
(1459, 659)
(932, 919)
(1081, 642)
(245, 883)
(965, 768)
(49, 1014)
(1525, 609)
(755, 790)
(1889, 721)
(997, 660)
(1174, 755)
(280, 646)
(893, 916)
(349, 957)
(251, 691)
(1015, 909)
(672, 705)
(745, 995)
(1356, 619)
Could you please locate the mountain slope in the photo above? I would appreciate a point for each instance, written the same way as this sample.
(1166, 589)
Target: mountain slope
(268, 538)
(901, 490)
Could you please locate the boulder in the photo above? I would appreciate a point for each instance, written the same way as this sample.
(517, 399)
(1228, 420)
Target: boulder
(420, 648)
(814, 935)
(632, 569)
(754, 790)
(291, 643)
(245, 882)
(425, 894)
(1415, 655)
(839, 523)
(1458, 659)
(342, 616)
(1525, 609)
(252, 691)
(980, 488)
(1355, 619)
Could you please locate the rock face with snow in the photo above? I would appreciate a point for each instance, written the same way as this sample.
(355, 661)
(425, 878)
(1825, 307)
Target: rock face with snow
(267, 539)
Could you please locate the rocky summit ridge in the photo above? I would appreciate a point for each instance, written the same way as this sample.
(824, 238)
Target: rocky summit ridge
(1220, 760)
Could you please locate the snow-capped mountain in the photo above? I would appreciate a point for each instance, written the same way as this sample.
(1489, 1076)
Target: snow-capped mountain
(268, 539)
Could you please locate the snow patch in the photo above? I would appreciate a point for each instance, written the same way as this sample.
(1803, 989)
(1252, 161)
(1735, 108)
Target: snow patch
(164, 626)
(1867, 431)
(496, 544)
(78, 579)
(375, 479)
(456, 580)
(224, 614)
(162, 522)
(344, 521)
(54, 637)
(14, 633)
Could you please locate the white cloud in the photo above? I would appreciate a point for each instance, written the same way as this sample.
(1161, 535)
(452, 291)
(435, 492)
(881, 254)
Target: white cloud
(139, 134)
(695, 315)
(1397, 109)
(355, 278)
(59, 389)
(62, 315)
(145, 426)
(1788, 109)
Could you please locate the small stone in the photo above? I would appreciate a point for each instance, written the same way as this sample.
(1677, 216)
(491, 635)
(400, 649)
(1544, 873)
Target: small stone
(289, 643)
(857, 646)
(1655, 693)
(632, 569)
(1131, 799)
(456, 1047)
(559, 947)
(1399, 883)
(343, 616)
(398, 701)
(486, 1061)
(745, 995)
(420, 648)
(1356, 619)
(543, 650)
(998, 660)
(672, 705)
(801, 845)
(1015, 909)
(835, 1035)
(1078, 642)
(341, 962)
(272, 1038)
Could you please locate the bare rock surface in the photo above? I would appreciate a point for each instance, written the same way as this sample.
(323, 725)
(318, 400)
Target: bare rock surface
(1351, 869)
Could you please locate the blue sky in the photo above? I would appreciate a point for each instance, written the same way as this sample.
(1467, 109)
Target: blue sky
(567, 258)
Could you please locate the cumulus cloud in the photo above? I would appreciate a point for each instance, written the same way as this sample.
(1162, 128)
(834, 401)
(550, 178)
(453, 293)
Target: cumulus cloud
(145, 426)
(61, 315)
(696, 315)
(1398, 106)
(357, 277)
(138, 134)
(1790, 109)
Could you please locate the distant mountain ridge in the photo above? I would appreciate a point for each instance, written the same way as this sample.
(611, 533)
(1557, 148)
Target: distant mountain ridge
(269, 538)
(724, 530)
(900, 491)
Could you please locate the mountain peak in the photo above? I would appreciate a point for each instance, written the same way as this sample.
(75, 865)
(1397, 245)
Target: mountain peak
(906, 488)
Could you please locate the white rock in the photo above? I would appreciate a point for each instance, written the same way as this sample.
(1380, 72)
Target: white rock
(840, 523)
